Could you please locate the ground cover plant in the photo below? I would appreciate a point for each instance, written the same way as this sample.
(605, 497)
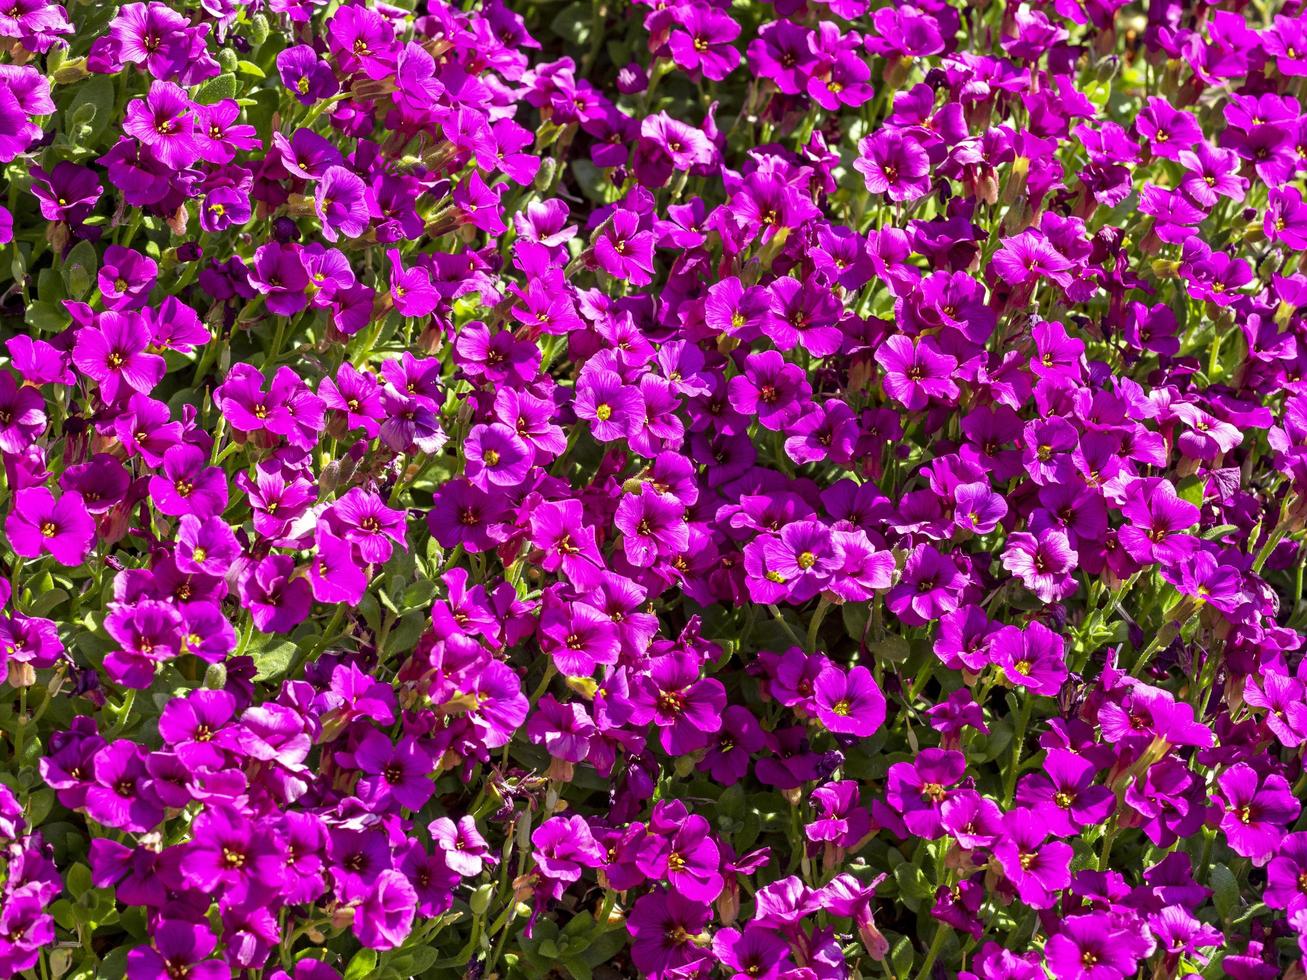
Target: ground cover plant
(800, 489)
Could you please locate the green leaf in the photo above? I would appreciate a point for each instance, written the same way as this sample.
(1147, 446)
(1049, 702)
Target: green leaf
(912, 882)
(250, 68)
(364, 964)
(892, 650)
(91, 109)
(405, 634)
(1192, 489)
(79, 269)
(605, 946)
(901, 957)
(370, 610)
(1225, 890)
(216, 90)
(1220, 531)
(63, 913)
(855, 616)
(272, 661)
(78, 880)
(46, 317)
(573, 23)
(39, 805)
(46, 601)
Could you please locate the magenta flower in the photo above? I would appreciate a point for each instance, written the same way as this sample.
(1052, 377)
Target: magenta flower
(686, 857)
(754, 952)
(164, 121)
(1043, 562)
(113, 354)
(1157, 516)
(1089, 947)
(334, 572)
(918, 789)
(1063, 796)
(464, 849)
(893, 163)
(395, 772)
(22, 415)
(623, 250)
(1032, 656)
(205, 546)
(277, 601)
(1254, 811)
(41, 524)
(563, 847)
(178, 948)
(341, 204)
(916, 372)
(652, 525)
(384, 918)
(702, 41)
(363, 520)
(1037, 868)
(849, 703)
(577, 637)
(928, 587)
(685, 707)
(665, 927)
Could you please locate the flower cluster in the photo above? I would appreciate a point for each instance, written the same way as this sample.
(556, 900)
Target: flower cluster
(790, 490)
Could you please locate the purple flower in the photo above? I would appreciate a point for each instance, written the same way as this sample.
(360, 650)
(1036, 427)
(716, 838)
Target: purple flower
(1037, 868)
(67, 193)
(684, 855)
(1157, 516)
(305, 74)
(918, 789)
(563, 847)
(279, 274)
(362, 519)
(228, 852)
(341, 203)
(1089, 947)
(121, 795)
(496, 456)
(187, 485)
(686, 707)
(207, 546)
(394, 771)
(928, 587)
(22, 415)
(334, 572)
(462, 845)
(754, 953)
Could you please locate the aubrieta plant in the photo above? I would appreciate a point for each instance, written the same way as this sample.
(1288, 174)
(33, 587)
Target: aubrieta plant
(768, 490)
